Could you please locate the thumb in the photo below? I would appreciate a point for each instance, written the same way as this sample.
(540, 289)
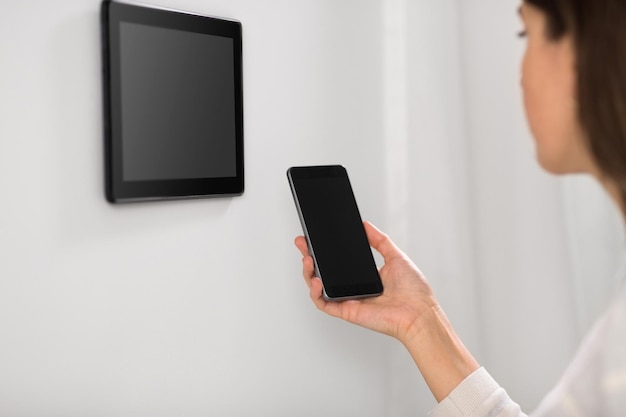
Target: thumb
(381, 242)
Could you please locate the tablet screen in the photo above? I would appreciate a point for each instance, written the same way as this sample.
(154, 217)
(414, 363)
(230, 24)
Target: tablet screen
(178, 104)
(174, 104)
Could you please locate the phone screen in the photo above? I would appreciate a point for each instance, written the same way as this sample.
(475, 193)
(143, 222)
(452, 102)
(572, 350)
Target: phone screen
(334, 230)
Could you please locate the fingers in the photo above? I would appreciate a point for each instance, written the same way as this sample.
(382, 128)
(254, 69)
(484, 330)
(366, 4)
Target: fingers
(314, 283)
(308, 269)
(331, 308)
(381, 242)
(315, 292)
(300, 243)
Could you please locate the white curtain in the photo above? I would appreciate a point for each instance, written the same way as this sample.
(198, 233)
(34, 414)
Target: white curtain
(522, 261)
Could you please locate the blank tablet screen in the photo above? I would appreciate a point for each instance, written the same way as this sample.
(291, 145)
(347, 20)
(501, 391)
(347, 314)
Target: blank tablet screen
(165, 128)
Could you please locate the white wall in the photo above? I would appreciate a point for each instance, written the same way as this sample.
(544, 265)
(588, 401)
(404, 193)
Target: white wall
(194, 307)
(429, 193)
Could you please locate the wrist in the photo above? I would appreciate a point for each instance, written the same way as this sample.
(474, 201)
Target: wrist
(438, 352)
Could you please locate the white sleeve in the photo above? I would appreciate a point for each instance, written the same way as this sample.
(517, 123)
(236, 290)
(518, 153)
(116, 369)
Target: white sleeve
(478, 395)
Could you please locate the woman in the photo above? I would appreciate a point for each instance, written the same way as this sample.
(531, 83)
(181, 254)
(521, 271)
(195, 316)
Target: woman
(574, 84)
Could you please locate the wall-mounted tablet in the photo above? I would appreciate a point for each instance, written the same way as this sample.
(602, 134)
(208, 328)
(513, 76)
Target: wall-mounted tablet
(173, 104)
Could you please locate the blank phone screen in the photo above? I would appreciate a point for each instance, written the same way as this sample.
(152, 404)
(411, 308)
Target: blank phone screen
(335, 230)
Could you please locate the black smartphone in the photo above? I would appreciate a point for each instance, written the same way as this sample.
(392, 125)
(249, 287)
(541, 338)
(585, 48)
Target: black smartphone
(334, 232)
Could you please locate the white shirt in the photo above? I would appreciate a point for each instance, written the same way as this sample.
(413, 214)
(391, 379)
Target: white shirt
(594, 384)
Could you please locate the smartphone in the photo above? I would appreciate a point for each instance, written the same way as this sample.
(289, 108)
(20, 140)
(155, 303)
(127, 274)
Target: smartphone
(334, 231)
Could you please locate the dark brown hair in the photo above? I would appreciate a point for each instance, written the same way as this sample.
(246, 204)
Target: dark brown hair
(598, 29)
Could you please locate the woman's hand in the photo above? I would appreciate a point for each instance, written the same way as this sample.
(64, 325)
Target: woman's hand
(407, 310)
(406, 297)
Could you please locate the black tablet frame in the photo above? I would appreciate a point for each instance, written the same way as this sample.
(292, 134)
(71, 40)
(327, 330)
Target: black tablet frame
(116, 189)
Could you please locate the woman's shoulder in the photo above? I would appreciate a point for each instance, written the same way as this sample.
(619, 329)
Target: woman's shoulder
(595, 381)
